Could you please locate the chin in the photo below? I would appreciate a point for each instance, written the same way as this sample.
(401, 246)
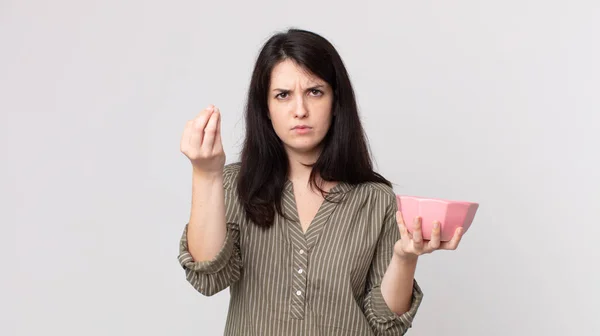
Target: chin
(302, 148)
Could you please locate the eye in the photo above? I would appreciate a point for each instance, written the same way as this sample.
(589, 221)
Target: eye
(316, 92)
(281, 95)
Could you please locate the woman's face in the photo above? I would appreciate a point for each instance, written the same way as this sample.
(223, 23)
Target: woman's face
(299, 107)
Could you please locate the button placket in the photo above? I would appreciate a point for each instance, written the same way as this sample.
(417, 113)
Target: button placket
(300, 263)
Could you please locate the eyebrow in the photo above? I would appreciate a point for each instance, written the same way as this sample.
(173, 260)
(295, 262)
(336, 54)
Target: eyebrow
(319, 86)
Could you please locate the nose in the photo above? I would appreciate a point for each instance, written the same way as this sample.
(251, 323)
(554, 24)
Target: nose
(300, 110)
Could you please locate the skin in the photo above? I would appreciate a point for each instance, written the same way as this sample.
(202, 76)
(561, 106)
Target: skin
(299, 98)
(201, 143)
(398, 281)
(296, 97)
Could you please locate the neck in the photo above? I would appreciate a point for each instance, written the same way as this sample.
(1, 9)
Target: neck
(298, 172)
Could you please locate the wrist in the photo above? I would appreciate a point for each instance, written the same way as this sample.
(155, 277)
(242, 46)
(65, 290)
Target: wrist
(405, 259)
(204, 176)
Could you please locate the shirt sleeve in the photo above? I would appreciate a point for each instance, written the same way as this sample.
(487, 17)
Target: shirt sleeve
(381, 318)
(212, 276)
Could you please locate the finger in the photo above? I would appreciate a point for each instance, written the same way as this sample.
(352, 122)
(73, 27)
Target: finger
(218, 147)
(404, 234)
(199, 125)
(434, 243)
(209, 108)
(453, 243)
(417, 235)
(399, 218)
(210, 133)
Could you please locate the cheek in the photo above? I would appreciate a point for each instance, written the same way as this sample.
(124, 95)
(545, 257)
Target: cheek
(273, 114)
(278, 123)
(325, 116)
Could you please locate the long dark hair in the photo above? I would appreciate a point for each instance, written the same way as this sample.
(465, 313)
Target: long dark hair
(345, 156)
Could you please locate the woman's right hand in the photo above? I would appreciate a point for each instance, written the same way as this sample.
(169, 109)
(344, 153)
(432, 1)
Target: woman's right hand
(201, 142)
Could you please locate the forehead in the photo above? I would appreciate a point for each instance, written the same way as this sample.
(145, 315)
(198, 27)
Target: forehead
(288, 73)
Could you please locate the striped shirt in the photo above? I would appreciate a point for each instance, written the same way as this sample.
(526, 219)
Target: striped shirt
(325, 281)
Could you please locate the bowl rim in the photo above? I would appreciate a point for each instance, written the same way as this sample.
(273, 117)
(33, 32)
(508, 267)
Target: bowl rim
(436, 199)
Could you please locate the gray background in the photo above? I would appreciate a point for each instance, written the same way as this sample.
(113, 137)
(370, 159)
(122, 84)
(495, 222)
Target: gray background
(495, 102)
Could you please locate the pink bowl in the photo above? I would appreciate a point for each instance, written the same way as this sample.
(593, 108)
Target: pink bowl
(451, 214)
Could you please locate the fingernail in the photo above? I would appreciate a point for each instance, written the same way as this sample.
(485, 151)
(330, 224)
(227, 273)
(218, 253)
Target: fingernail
(210, 108)
(436, 225)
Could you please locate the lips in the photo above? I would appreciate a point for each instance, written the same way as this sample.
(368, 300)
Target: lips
(301, 127)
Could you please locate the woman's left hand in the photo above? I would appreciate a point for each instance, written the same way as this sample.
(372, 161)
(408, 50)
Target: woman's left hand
(410, 246)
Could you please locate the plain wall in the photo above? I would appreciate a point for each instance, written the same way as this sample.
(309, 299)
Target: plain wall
(494, 102)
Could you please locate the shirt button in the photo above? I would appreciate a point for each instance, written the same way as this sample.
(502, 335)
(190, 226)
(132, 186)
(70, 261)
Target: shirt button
(298, 293)
(301, 251)
(300, 271)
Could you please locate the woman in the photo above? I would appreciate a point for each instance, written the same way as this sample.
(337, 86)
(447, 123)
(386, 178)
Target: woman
(303, 231)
